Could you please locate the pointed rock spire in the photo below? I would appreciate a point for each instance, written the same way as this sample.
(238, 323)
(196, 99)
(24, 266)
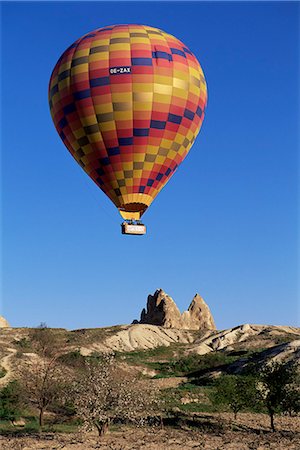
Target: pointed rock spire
(198, 315)
(162, 310)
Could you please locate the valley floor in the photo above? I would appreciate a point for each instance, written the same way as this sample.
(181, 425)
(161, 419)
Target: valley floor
(217, 432)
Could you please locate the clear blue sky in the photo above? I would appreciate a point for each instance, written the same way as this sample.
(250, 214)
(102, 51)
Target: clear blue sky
(225, 226)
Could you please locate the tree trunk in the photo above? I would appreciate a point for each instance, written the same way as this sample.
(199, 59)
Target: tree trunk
(102, 428)
(161, 422)
(41, 417)
(272, 420)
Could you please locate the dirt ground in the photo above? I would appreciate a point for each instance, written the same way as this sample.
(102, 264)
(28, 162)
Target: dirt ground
(217, 432)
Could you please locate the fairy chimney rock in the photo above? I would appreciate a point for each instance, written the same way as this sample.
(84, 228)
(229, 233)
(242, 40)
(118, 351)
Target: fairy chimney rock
(162, 310)
(3, 323)
(198, 315)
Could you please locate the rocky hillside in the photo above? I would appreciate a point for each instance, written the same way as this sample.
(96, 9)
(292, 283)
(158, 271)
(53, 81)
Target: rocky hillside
(270, 342)
(182, 357)
(162, 326)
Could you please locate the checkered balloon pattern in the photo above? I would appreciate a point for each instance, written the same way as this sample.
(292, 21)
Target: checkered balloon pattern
(128, 102)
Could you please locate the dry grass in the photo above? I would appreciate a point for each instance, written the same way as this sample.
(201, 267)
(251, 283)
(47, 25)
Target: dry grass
(218, 432)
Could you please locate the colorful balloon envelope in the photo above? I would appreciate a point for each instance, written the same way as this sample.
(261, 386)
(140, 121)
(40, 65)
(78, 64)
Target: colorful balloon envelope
(128, 102)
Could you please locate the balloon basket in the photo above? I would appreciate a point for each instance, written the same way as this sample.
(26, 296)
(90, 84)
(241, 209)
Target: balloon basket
(133, 227)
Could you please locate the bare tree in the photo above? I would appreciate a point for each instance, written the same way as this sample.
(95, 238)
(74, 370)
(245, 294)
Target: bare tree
(44, 341)
(108, 392)
(44, 378)
(43, 381)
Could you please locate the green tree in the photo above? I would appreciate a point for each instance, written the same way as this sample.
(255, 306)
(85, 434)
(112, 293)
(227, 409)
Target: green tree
(277, 388)
(235, 391)
(291, 402)
(11, 401)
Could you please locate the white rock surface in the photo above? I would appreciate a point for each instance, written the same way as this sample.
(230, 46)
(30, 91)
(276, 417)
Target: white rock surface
(3, 323)
(221, 340)
(140, 337)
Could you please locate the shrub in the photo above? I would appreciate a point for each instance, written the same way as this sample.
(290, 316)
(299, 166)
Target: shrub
(236, 392)
(2, 372)
(278, 389)
(10, 401)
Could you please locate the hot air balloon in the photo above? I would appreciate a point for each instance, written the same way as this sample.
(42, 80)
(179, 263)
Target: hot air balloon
(128, 102)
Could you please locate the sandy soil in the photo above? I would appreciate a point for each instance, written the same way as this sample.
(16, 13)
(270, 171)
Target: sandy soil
(249, 432)
(5, 363)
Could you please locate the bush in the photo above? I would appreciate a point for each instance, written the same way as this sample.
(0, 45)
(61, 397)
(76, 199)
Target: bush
(236, 392)
(193, 365)
(278, 388)
(2, 372)
(73, 359)
(10, 401)
(23, 344)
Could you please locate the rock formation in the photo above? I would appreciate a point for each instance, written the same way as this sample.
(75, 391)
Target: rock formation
(162, 310)
(198, 316)
(3, 323)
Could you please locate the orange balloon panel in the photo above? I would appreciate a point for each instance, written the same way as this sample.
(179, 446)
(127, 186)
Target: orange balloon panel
(128, 102)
